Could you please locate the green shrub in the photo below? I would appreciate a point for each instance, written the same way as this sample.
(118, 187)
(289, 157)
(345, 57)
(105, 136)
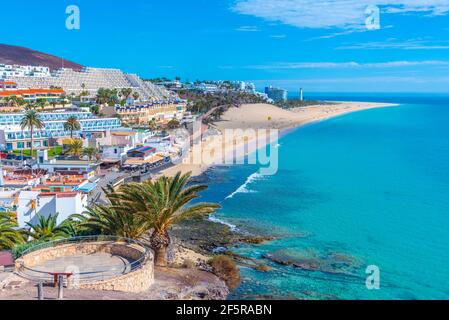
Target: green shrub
(17, 251)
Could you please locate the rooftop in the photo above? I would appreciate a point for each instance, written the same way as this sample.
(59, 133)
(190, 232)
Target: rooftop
(29, 92)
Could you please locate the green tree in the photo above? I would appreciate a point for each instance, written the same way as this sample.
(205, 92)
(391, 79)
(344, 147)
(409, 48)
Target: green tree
(31, 120)
(72, 124)
(47, 229)
(126, 92)
(152, 125)
(173, 124)
(41, 103)
(90, 152)
(160, 204)
(9, 235)
(105, 220)
(103, 96)
(75, 148)
(14, 101)
(95, 109)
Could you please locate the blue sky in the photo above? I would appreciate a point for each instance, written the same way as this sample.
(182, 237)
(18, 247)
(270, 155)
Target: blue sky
(319, 45)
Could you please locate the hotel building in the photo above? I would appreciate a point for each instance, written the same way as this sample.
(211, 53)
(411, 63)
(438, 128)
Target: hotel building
(88, 80)
(7, 70)
(156, 110)
(276, 94)
(12, 136)
(7, 85)
(31, 95)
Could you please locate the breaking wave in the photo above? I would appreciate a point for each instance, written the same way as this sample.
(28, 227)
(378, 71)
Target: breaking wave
(244, 187)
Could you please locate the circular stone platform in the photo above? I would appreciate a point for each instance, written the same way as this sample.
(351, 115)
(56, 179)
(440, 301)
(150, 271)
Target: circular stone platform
(119, 264)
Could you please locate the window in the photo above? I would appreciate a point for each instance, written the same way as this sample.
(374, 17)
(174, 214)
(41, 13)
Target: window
(9, 146)
(20, 145)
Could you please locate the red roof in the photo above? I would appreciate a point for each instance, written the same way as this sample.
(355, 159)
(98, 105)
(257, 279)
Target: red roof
(59, 194)
(7, 82)
(29, 91)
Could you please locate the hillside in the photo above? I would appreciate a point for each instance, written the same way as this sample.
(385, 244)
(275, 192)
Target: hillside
(24, 56)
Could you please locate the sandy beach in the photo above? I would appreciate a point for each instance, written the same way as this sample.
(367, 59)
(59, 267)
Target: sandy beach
(227, 141)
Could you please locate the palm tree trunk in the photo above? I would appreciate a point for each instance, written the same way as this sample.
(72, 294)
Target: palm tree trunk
(32, 156)
(159, 242)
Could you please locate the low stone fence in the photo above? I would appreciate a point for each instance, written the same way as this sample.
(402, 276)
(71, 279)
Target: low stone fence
(138, 279)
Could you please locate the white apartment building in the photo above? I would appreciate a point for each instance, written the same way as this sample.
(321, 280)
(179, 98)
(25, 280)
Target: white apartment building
(32, 204)
(8, 71)
(13, 137)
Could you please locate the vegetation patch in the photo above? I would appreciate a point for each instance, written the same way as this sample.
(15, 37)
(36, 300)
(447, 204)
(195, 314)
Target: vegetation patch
(226, 269)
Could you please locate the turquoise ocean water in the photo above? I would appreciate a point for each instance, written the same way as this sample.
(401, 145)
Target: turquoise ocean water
(367, 188)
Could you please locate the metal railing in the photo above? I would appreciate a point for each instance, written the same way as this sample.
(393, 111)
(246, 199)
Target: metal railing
(86, 277)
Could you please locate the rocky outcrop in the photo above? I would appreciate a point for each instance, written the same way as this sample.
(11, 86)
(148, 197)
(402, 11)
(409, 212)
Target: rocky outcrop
(188, 284)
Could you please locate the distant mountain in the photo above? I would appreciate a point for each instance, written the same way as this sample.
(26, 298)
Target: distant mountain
(24, 56)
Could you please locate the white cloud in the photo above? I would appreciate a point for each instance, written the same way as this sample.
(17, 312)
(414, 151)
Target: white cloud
(351, 64)
(395, 44)
(344, 14)
(278, 36)
(248, 29)
(373, 79)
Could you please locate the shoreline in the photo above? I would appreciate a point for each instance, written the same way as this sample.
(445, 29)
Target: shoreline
(216, 148)
(203, 238)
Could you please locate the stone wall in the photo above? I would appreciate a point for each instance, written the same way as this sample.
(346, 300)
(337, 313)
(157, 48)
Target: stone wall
(136, 281)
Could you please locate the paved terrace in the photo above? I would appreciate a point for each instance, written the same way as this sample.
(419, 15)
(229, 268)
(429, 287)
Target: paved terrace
(96, 266)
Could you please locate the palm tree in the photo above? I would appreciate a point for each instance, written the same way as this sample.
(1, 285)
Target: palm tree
(9, 235)
(105, 220)
(160, 204)
(75, 148)
(40, 103)
(126, 92)
(14, 101)
(102, 96)
(31, 120)
(72, 124)
(152, 125)
(136, 95)
(173, 124)
(47, 229)
(90, 152)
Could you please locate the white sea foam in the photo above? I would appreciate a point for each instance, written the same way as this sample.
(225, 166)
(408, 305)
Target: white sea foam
(216, 220)
(244, 187)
